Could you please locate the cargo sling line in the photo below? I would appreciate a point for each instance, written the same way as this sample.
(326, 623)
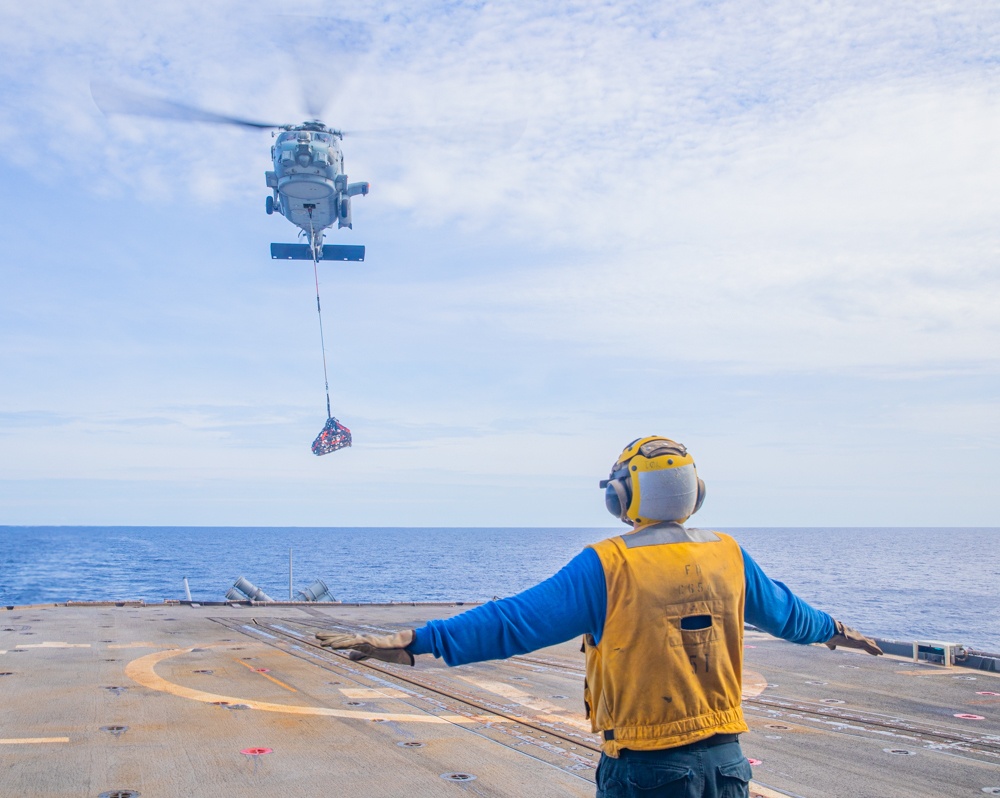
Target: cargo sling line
(334, 435)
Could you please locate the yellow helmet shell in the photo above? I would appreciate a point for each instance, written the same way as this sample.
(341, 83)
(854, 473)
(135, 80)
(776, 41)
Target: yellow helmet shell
(663, 480)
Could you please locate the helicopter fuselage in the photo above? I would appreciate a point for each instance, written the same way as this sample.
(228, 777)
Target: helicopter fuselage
(309, 187)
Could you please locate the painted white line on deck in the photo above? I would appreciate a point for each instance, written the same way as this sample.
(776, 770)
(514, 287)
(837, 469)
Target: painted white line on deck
(547, 710)
(364, 692)
(54, 645)
(764, 792)
(27, 740)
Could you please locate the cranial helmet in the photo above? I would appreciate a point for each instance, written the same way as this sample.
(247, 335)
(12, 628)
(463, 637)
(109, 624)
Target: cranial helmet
(654, 479)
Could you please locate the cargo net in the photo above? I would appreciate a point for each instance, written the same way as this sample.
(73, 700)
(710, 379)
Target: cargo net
(333, 436)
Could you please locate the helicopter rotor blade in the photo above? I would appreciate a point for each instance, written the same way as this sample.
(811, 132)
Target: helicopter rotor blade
(492, 134)
(113, 99)
(323, 52)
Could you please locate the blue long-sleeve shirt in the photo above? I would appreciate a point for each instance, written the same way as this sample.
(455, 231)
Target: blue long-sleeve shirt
(574, 602)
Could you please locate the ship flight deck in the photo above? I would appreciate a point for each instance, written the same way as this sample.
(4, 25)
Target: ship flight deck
(126, 700)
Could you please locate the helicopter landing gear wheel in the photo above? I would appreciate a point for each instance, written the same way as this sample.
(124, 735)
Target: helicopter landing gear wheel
(269, 205)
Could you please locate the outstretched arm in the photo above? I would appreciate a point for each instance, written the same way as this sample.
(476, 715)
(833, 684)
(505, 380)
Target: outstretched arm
(572, 603)
(569, 604)
(771, 606)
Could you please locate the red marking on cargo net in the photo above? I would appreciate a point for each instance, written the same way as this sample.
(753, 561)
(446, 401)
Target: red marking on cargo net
(755, 762)
(967, 716)
(262, 670)
(986, 692)
(332, 437)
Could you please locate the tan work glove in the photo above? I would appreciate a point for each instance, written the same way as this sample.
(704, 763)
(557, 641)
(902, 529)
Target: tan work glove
(388, 648)
(851, 638)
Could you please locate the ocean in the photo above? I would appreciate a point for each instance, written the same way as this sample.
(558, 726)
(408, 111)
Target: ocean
(899, 583)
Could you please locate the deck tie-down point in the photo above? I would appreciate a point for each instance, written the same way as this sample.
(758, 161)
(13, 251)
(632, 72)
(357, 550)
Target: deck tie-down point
(254, 754)
(458, 777)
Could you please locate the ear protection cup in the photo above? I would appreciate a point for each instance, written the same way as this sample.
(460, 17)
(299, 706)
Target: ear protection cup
(701, 496)
(617, 497)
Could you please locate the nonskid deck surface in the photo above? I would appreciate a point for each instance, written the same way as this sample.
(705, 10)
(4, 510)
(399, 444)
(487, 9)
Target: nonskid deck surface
(231, 701)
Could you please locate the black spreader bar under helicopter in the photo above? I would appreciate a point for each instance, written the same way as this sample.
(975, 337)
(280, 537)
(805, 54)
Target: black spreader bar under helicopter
(330, 252)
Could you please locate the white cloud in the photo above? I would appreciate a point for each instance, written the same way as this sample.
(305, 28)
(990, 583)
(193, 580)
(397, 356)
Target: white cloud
(700, 192)
(619, 104)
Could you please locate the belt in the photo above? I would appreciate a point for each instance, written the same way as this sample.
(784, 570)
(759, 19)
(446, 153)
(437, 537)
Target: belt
(708, 742)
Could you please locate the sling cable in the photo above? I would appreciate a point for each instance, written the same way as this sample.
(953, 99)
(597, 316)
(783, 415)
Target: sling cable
(334, 435)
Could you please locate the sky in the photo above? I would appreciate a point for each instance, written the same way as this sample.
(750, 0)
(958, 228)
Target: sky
(767, 231)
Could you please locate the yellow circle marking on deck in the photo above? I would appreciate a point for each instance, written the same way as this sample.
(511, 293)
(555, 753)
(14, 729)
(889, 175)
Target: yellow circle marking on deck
(142, 671)
(753, 684)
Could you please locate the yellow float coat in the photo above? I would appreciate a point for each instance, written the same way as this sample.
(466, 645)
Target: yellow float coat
(652, 684)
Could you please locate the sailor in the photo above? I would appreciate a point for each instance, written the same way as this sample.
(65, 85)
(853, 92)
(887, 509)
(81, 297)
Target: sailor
(661, 610)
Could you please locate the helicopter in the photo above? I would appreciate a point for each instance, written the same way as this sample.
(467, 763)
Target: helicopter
(310, 189)
(308, 184)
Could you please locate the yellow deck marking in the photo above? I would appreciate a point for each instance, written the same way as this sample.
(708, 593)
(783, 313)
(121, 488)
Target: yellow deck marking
(28, 740)
(142, 671)
(753, 684)
(54, 645)
(364, 692)
(267, 676)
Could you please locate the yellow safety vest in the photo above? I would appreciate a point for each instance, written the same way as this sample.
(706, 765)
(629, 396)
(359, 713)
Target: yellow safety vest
(653, 681)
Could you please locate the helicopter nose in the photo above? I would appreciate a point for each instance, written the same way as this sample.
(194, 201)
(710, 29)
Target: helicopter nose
(304, 155)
